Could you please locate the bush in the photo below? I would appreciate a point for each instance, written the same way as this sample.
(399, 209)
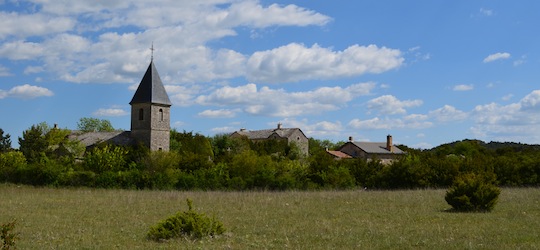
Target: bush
(7, 236)
(186, 224)
(473, 193)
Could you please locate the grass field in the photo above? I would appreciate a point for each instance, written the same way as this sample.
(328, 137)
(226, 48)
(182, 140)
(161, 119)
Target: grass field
(119, 219)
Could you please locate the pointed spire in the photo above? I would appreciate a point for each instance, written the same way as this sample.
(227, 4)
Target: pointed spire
(151, 89)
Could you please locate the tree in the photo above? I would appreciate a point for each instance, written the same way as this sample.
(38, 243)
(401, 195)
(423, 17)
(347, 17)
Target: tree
(32, 143)
(87, 124)
(41, 140)
(5, 142)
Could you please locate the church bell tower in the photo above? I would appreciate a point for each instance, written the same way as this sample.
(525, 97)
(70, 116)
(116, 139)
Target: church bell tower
(150, 112)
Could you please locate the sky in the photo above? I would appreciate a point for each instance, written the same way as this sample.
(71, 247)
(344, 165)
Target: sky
(425, 72)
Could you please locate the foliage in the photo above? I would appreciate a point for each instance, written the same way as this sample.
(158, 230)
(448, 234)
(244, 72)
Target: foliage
(10, 163)
(5, 142)
(106, 158)
(7, 235)
(87, 124)
(42, 141)
(186, 224)
(473, 192)
(186, 143)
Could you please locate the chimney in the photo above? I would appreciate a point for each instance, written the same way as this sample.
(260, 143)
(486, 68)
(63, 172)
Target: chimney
(242, 129)
(350, 139)
(279, 125)
(389, 143)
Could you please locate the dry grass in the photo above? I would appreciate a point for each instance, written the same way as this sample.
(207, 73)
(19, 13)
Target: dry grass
(107, 219)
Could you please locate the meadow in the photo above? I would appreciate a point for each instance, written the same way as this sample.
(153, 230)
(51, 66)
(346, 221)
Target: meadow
(82, 218)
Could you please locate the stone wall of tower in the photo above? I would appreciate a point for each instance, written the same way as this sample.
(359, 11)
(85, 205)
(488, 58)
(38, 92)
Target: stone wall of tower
(160, 127)
(152, 127)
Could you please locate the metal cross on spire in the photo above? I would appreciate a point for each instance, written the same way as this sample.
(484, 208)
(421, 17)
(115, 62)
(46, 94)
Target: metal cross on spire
(152, 52)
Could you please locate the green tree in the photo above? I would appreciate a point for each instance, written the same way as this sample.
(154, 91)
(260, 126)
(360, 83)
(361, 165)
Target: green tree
(41, 141)
(33, 144)
(188, 143)
(88, 124)
(5, 142)
(106, 158)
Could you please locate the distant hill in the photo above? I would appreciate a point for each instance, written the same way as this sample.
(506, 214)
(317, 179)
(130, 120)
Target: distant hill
(491, 146)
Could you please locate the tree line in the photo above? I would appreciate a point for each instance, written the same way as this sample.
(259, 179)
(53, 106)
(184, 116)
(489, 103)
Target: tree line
(47, 157)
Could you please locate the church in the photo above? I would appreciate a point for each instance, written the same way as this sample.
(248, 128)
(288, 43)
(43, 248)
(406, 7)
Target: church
(150, 118)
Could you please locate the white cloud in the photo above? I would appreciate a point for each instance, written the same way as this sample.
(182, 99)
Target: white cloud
(317, 129)
(3, 94)
(4, 71)
(26, 91)
(496, 56)
(20, 50)
(390, 105)
(531, 102)
(33, 69)
(463, 87)
(295, 62)
(278, 102)
(513, 122)
(110, 112)
(250, 13)
(520, 61)
(37, 24)
(507, 97)
(448, 114)
(415, 122)
(486, 12)
(219, 113)
(222, 130)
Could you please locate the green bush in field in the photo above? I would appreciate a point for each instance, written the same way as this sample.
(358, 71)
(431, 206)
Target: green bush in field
(473, 193)
(186, 224)
(7, 236)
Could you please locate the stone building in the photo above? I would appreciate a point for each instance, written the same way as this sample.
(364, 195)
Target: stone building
(291, 135)
(150, 118)
(384, 151)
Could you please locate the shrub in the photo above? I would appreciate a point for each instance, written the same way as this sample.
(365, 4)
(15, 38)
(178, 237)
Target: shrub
(7, 235)
(186, 224)
(473, 192)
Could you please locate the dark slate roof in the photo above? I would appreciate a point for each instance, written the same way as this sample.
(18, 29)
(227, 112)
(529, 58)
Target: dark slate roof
(89, 139)
(377, 148)
(151, 89)
(265, 133)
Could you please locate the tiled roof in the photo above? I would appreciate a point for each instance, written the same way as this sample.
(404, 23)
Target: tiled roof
(93, 138)
(339, 154)
(377, 148)
(151, 89)
(265, 133)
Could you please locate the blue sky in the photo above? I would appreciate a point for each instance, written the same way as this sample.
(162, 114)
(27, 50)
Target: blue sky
(426, 72)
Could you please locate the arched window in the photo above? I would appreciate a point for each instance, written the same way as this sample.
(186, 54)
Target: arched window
(161, 114)
(141, 114)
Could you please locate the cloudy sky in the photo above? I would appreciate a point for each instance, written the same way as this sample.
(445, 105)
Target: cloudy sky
(426, 72)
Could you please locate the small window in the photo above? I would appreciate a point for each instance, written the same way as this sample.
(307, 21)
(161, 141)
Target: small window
(161, 114)
(141, 114)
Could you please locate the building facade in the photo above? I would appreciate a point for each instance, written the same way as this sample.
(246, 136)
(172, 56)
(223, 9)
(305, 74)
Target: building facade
(291, 135)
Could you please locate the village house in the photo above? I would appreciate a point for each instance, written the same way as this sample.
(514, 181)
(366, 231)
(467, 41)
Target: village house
(386, 152)
(150, 118)
(291, 135)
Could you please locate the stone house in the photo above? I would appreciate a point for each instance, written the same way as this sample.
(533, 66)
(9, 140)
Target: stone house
(384, 151)
(291, 135)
